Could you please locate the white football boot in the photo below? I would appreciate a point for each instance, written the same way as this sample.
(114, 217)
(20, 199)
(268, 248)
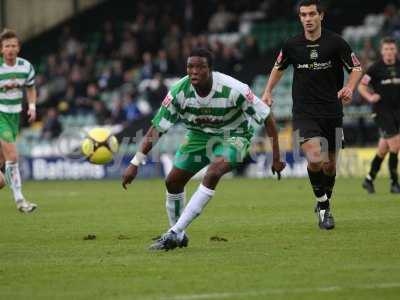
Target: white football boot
(25, 206)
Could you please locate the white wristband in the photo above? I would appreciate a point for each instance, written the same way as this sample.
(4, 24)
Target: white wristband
(32, 106)
(138, 159)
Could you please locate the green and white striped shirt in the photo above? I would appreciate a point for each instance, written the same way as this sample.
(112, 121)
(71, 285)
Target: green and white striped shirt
(228, 109)
(13, 80)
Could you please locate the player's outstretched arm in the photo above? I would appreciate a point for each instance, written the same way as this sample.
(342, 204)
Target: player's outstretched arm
(149, 140)
(273, 80)
(365, 92)
(277, 165)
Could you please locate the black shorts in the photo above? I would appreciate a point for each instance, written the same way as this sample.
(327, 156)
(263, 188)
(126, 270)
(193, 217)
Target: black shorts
(329, 128)
(388, 123)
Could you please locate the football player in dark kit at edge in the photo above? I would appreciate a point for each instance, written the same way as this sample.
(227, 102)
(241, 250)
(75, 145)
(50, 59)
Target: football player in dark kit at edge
(383, 78)
(318, 57)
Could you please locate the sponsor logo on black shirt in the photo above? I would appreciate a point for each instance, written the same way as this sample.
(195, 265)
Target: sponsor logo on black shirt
(315, 66)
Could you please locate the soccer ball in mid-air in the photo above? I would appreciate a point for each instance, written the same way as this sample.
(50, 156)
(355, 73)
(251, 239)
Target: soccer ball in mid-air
(99, 146)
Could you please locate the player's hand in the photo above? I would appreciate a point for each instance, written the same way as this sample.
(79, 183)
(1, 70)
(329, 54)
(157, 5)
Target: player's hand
(375, 98)
(267, 99)
(345, 94)
(31, 115)
(277, 167)
(129, 175)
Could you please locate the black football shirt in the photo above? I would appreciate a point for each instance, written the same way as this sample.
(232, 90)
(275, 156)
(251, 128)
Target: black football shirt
(385, 80)
(318, 73)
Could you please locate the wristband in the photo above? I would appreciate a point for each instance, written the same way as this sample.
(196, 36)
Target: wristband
(138, 159)
(32, 106)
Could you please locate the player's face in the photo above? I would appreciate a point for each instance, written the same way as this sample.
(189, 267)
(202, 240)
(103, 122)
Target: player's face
(198, 70)
(389, 52)
(10, 48)
(310, 18)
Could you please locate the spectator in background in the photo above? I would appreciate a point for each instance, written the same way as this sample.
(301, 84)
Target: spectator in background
(69, 98)
(107, 45)
(162, 63)
(250, 48)
(137, 26)
(367, 53)
(221, 21)
(107, 59)
(227, 62)
(52, 127)
(147, 69)
(84, 104)
(157, 94)
(132, 112)
(101, 113)
(392, 21)
(118, 115)
(117, 76)
(176, 61)
(51, 66)
(172, 38)
(202, 41)
(188, 15)
(151, 39)
(77, 79)
(129, 50)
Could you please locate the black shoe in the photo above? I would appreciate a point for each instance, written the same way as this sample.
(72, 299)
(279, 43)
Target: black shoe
(395, 188)
(184, 242)
(325, 218)
(168, 241)
(369, 186)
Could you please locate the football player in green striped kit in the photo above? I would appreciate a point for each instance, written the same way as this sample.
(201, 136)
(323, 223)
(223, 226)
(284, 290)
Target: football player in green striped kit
(218, 111)
(16, 75)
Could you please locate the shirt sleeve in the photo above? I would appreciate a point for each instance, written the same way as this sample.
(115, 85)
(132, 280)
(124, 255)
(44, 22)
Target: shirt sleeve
(167, 115)
(252, 106)
(282, 61)
(30, 80)
(348, 57)
(368, 76)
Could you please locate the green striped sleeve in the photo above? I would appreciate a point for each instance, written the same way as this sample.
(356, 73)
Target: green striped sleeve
(31, 76)
(167, 115)
(253, 106)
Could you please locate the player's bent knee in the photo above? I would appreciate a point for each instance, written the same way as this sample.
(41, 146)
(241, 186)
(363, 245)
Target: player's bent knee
(314, 166)
(173, 185)
(329, 167)
(216, 171)
(212, 175)
(382, 153)
(12, 159)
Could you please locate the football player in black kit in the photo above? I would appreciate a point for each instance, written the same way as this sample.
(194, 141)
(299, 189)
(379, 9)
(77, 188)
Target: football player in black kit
(384, 79)
(318, 57)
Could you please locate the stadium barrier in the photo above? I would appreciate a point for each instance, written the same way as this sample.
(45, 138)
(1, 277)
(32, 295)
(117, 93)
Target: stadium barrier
(353, 162)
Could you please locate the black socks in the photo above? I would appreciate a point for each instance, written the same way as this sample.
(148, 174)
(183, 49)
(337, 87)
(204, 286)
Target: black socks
(393, 161)
(317, 182)
(375, 166)
(329, 183)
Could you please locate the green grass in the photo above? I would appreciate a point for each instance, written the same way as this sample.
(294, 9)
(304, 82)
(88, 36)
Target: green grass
(274, 248)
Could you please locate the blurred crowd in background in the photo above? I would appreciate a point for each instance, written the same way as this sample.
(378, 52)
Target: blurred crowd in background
(121, 71)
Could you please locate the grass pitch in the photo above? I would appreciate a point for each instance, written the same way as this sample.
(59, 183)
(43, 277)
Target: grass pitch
(274, 249)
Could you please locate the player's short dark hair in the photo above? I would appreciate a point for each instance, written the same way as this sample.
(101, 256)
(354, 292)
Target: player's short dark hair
(8, 34)
(387, 40)
(203, 52)
(317, 3)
